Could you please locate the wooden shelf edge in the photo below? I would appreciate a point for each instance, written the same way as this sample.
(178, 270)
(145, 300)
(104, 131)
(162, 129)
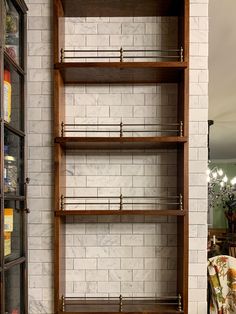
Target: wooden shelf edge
(156, 139)
(174, 212)
(116, 8)
(104, 307)
(70, 143)
(125, 312)
(122, 65)
(160, 310)
(121, 72)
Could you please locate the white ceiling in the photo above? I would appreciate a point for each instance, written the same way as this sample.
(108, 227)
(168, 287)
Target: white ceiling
(222, 78)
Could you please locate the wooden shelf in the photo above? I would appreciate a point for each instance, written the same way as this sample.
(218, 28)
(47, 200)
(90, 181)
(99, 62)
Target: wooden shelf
(12, 197)
(104, 308)
(167, 212)
(78, 143)
(14, 262)
(121, 72)
(112, 8)
(10, 128)
(11, 62)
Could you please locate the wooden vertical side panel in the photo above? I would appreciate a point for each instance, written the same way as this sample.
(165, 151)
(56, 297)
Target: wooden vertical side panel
(59, 263)
(183, 161)
(182, 260)
(186, 30)
(183, 114)
(183, 101)
(59, 102)
(183, 29)
(59, 186)
(183, 187)
(183, 230)
(58, 29)
(59, 229)
(59, 157)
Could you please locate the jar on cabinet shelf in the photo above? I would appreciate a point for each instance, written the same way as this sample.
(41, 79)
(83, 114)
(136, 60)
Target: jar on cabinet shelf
(10, 174)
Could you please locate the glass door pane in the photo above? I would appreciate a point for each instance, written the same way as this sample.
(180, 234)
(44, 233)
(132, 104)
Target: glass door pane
(13, 164)
(13, 231)
(13, 33)
(13, 293)
(13, 109)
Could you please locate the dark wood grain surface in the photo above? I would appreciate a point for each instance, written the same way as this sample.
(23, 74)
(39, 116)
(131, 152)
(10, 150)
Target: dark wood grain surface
(107, 143)
(122, 73)
(112, 8)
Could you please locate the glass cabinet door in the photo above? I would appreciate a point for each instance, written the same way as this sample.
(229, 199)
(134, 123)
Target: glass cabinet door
(13, 164)
(13, 32)
(13, 109)
(13, 218)
(13, 230)
(14, 284)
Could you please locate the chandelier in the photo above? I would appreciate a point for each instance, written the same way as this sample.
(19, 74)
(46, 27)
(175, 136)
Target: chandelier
(220, 189)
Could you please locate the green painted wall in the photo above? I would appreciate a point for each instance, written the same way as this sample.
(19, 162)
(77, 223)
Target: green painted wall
(219, 220)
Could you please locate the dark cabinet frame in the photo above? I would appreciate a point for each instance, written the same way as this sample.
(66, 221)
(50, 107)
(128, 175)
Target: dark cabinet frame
(20, 132)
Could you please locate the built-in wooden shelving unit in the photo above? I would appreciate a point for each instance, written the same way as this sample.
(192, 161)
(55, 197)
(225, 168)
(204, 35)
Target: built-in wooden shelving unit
(170, 69)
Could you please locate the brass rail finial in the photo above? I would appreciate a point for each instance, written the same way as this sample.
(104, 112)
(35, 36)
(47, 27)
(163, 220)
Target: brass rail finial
(62, 54)
(181, 202)
(121, 303)
(179, 303)
(63, 303)
(121, 54)
(181, 54)
(121, 202)
(181, 128)
(62, 202)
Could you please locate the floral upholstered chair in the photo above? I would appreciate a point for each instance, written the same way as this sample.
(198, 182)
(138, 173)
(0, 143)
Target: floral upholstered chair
(222, 282)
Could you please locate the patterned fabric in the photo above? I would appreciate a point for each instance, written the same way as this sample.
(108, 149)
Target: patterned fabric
(222, 280)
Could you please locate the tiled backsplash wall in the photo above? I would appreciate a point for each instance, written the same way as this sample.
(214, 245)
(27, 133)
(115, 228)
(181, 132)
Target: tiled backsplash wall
(109, 259)
(89, 249)
(137, 173)
(116, 32)
(129, 104)
(104, 271)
